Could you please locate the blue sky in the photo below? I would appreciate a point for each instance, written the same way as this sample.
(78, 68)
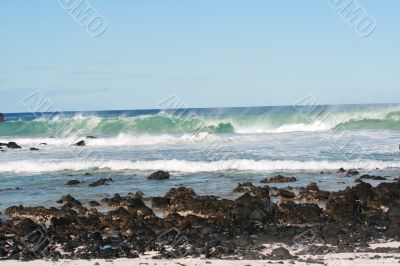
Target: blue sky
(206, 52)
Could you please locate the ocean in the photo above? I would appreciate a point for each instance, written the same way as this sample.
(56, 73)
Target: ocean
(210, 149)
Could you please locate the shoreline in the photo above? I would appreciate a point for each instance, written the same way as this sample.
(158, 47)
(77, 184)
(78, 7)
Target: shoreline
(306, 224)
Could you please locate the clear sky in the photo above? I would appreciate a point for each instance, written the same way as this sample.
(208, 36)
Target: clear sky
(209, 53)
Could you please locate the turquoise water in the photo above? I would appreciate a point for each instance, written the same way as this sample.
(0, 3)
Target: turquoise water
(209, 149)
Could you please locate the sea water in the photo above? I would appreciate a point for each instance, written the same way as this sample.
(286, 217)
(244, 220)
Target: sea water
(210, 149)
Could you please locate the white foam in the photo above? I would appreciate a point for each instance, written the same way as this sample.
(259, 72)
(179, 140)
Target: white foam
(296, 127)
(40, 166)
(317, 122)
(119, 140)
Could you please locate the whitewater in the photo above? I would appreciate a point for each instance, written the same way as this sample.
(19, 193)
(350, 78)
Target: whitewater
(210, 150)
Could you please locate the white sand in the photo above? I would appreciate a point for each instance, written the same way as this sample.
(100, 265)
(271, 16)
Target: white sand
(330, 260)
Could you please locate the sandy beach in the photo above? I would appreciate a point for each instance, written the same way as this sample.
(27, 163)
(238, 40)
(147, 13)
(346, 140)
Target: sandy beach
(331, 260)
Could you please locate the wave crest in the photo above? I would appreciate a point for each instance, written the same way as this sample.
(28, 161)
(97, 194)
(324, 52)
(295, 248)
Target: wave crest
(163, 123)
(183, 166)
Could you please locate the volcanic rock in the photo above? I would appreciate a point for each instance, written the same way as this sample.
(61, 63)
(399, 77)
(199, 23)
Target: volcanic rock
(72, 183)
(80, 143)
(101, 182)
(278, 179)
(159, 175)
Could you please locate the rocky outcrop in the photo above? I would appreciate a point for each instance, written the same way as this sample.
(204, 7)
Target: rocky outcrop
(207, 226)
(159, 175)
(278, 179)
(286, 194)
(10, 145)
(313, 193)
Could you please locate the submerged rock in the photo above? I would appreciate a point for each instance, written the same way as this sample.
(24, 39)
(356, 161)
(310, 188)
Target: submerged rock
(352, 172)
(101, 182)
(159, 175)
(372, 177)
(279, 179)
(72, 183)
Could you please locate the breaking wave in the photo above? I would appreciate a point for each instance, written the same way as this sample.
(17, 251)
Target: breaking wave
(184, 166)
(163, 123)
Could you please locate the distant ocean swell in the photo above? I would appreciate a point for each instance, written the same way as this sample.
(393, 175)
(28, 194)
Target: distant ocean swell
(184, 166)
(162, 123)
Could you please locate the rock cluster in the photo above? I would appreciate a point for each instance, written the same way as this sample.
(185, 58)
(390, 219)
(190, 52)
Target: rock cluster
(279, 179)
(206, 226)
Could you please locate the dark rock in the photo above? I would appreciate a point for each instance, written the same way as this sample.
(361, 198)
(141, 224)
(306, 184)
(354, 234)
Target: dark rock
(279, 179)
(253, 255)
(69, 200)
(91, 137)
(72, 183)
(387, 194)
(341, 170)
(343, 208)
(312, 192)
(80, 143)
(372, 177)
(137, 195)
(331, 232)
(26, 226)
(94, 203)
(287, 194)
(352, 172)
(41, 214)
(293, 213)
(314, 261)
(280, 254)
(159, 175)
(207, 226)
(2, 119)
(101, 182)
(13, 145)
(243, 187)
(159, 203)
(34, 149)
